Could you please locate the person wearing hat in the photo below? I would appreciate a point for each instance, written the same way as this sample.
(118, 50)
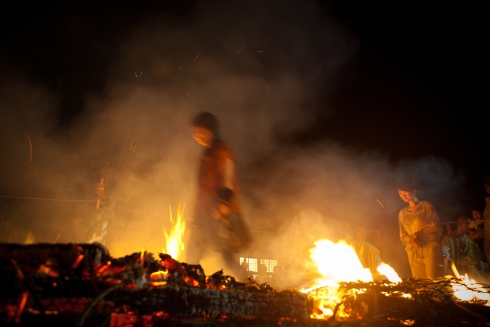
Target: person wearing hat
(420, 232)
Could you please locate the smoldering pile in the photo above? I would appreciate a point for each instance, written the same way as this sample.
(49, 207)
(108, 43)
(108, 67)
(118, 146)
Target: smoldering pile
(82, 285)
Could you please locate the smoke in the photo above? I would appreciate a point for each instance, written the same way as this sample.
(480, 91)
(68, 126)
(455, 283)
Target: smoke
(263, 79)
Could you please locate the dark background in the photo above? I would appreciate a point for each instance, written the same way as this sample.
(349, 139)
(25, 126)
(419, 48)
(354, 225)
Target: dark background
(413, 88)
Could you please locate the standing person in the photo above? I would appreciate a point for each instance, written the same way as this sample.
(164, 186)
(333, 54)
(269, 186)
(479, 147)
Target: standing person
(420, 232)
(486, 219)
(217, 222)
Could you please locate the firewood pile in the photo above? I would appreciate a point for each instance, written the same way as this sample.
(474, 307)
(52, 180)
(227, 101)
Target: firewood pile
(82, 285)
(412, 302)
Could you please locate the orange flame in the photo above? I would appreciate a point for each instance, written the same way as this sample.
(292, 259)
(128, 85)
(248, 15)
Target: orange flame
(339, 263)
(469, 289)
(175, 238)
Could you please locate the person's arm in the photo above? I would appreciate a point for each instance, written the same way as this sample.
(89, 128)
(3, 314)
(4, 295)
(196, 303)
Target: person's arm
(434, 225)
(406, 238)
(226, 169)
(446, 247)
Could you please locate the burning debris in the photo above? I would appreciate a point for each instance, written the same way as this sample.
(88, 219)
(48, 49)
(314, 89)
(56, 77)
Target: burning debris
(348, 294)
(82, 285)
(412, 302)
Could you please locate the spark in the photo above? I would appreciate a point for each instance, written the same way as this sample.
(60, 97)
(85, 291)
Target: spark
(135, 147)
(380, 203)
(161, 152)
(57, 238)
(197, 57)
(106, 172)
(30, 149)
(187, 92)
(241, 48)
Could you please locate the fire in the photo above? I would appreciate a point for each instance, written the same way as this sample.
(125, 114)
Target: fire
(389, 272)
(469, 290)
(175, 238)
(339, 263)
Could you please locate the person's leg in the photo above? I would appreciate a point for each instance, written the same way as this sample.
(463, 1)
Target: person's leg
(240, 236)
(416, 263)
(433, 259)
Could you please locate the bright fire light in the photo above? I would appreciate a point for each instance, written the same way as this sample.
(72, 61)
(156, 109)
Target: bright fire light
(389, 272)
(339, 263)
(174, 240)
(470, 290)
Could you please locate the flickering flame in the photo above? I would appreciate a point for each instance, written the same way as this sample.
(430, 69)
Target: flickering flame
(389, 272)
(469, 289)
(339, 263)
(175, 238)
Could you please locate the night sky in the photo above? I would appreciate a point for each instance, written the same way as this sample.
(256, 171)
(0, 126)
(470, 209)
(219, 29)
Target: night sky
(413, 88)
(402, 81)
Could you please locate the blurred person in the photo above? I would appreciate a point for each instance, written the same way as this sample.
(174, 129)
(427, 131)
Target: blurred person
(477, 215)
(477, 225)
(279, 276)
(483, 264)
(367, 253)
(243, 277)
(486, 218)
(462, 250)
(217, 223)
(262, 275)
(420, 232)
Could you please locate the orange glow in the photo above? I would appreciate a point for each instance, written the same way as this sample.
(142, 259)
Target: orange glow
(389, 273)
(158, 283)
(158, 275)
(142, 255)
(175, 238)
(339, 263)
(77, 262)
(470, 290)
(104, 268)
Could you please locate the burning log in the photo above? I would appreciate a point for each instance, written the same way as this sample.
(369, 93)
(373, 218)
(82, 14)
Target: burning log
(81, 284)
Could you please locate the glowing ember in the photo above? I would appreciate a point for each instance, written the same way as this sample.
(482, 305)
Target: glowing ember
(175, 239)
